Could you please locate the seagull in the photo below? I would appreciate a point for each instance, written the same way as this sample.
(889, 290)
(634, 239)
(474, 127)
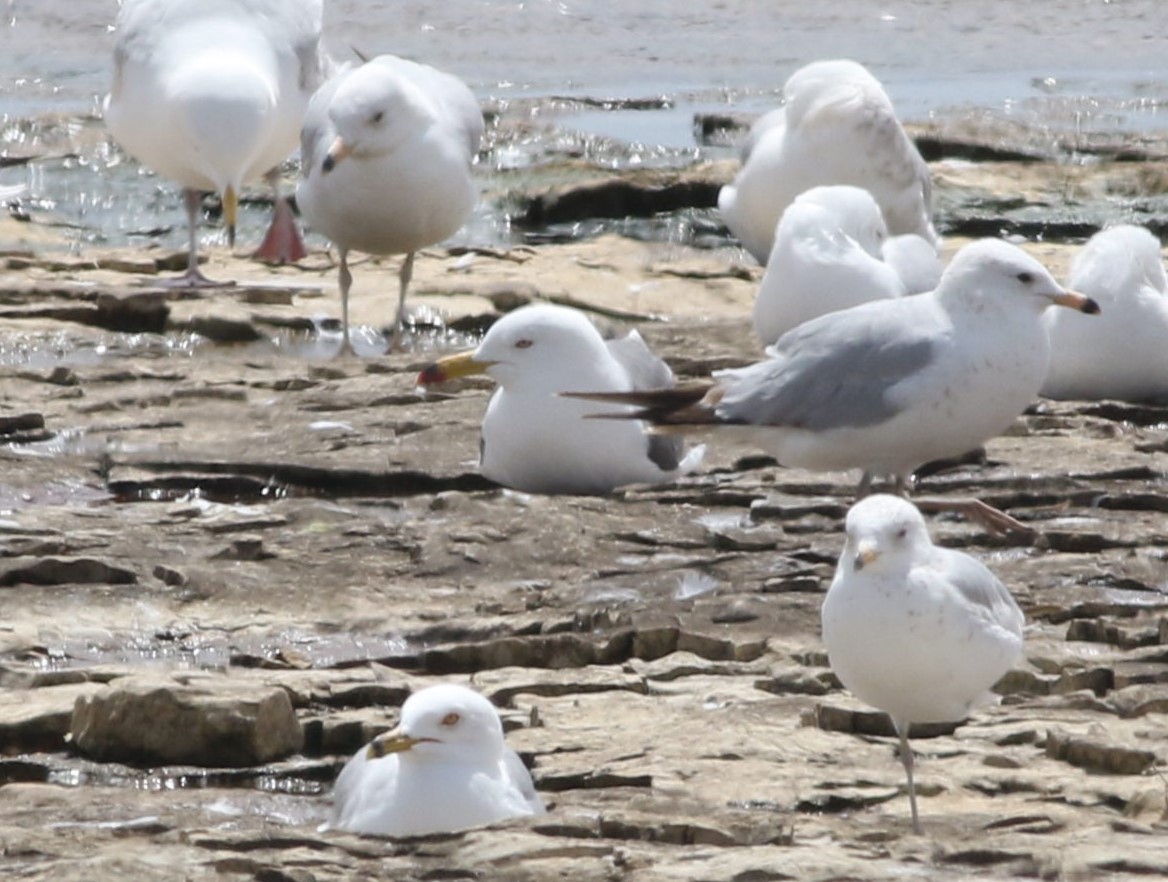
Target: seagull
(836, 126)
(918, 631)
(444, 768)
(386, 155)
(826, 257)
(536, 441)
(1125, 354)
(888, 385)
(210, 93)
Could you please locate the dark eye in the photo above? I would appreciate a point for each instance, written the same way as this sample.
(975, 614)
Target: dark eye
(451, 719)
(523, 344)
(902, 532)
(1025, 278)
(377, 117)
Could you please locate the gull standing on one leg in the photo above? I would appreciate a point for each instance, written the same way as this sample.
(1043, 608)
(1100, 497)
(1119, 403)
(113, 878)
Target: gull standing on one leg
(386, 155)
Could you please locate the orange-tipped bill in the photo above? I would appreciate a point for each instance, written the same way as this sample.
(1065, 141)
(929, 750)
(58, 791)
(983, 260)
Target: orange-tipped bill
(1081, 302)
(451, 368)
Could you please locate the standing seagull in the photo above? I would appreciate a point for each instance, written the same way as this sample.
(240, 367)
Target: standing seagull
(211, 93)
(836, 126)
(536, 441)
(386, 155)
(888, 385)
(444, 768)
(918, 631)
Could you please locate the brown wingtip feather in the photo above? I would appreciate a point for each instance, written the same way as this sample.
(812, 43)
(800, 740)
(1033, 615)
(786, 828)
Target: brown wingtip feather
(679, 406)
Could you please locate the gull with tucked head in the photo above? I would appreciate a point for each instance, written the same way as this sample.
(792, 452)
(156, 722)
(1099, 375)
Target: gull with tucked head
(536, 441)
(444, 768)
(889, 385)
(918, 631)
(386, 155)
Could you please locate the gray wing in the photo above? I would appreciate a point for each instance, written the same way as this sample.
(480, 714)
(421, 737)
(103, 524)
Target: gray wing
(647, 371)
(317, 131)
(835, 371)
(982, 589)
(521, 778)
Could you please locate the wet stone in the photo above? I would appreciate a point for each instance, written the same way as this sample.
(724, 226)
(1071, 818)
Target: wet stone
(1097, 755)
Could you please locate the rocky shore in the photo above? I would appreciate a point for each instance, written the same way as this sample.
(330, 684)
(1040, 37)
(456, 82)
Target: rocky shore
(227, 557)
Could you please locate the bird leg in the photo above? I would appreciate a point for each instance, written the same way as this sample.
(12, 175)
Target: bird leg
(993, 519)
(404, 275)
(283, 242)
(346, 281)
(906, 759)
(193, 277)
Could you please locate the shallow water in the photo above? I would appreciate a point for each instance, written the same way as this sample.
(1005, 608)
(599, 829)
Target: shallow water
(1070, 65)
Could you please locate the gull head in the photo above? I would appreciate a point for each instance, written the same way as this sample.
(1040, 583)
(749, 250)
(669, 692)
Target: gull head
(992, 272)
(541, 345)
(883, 533)
(851, 210)
(373, 112)
(441, 723)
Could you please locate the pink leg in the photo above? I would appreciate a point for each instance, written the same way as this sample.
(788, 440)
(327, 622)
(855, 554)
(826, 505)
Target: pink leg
(283, 243)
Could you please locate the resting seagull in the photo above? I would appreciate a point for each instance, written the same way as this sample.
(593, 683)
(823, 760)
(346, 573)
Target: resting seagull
(444, 768)
(386, 154)
(536, 441)
(836, 126)
(889, 385)
(918, 631)
(210, 93)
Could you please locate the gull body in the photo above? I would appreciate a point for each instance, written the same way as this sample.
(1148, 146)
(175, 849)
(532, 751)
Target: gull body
(836, 126)
(444, 768)
(918, 631)
(537, 441)
(1124, 355)
(387, 149)
(210, 93)
(889, 385)
(826, 257)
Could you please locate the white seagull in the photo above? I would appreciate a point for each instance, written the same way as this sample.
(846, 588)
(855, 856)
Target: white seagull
(918, 631)
(827, 256)
(537, 441)
(444, 768)
(210, 94)
(386, 155)
(1124, 355)
(836, 126)
(888, 385)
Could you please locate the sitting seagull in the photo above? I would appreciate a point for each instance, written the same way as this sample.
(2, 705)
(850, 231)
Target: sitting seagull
(889, 385)
(826, 257)
(918, 631)
(386, 154)
(538, 442)
(836, 126)
(1125, 354)
(444, 768)
(210, 93)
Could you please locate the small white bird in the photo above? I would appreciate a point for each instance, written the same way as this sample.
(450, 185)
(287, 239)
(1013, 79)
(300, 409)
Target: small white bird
(210, 94)
(889, 385)
(1124, 355)
(386, 155)
(836, 126)
(826, 257)
(536, 441)
(918, 631)
(444, 768)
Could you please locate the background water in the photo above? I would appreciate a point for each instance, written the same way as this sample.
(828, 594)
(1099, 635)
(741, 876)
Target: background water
(1081, 65)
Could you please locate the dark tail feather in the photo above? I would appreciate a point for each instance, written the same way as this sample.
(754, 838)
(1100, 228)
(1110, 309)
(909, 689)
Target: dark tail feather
(679, 405)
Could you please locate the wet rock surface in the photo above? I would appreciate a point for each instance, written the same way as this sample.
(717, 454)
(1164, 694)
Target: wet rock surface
(197, 519)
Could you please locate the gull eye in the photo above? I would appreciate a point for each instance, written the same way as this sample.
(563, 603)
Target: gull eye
(451, 719)
(902, 532)
(523, 344)
(1025, 278)
(377, 117)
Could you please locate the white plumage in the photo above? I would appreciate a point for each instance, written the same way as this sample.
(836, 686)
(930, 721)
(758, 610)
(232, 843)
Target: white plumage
(444, 768)
(386, 152)
(836, 126)
(918, 631)
(1124, 353)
